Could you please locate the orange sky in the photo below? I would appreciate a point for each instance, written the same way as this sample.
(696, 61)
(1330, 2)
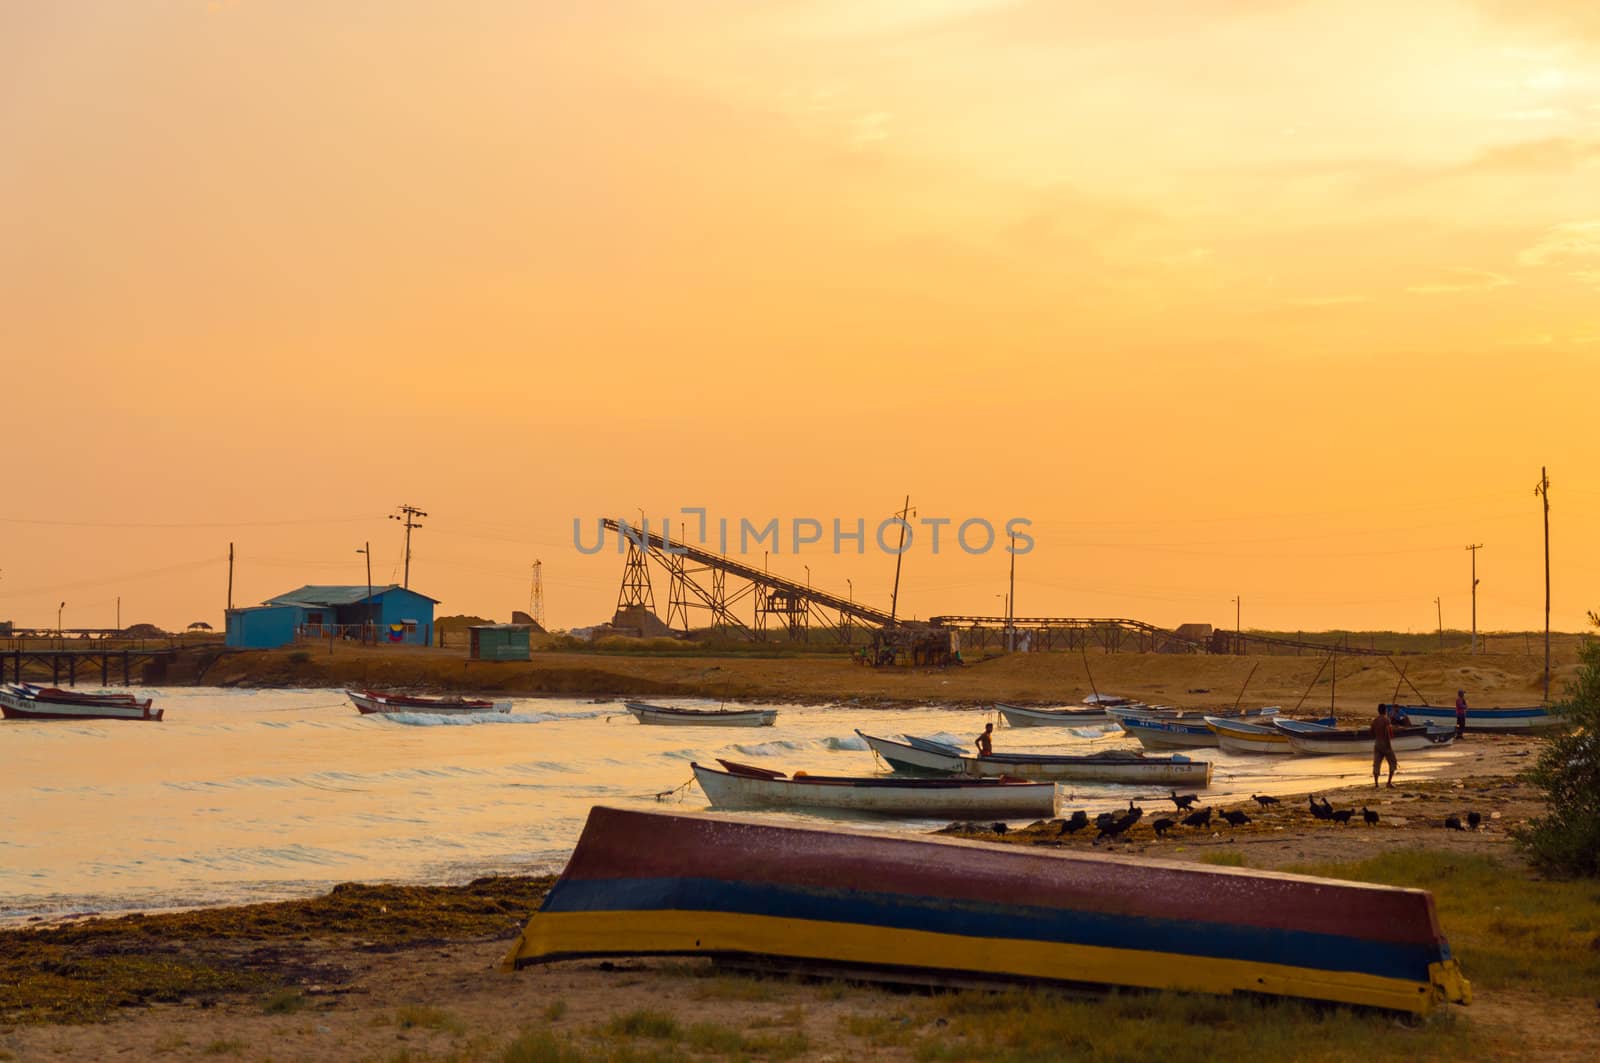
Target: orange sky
(1283, 300)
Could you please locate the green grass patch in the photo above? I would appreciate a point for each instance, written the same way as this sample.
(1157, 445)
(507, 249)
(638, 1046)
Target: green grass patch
(227, 1046)
(555, 1011)
(1223, 859)
(284, 1002)
(645, 1022)
(1038, 1025)
(1509, 927)
(421, 1016)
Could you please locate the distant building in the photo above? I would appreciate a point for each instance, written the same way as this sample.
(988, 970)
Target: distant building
(500, 642)
(395, 614)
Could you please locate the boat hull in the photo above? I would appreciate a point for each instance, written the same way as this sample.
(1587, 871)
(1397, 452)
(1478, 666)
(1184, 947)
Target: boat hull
(912, 798)
(1337, 742)
(654, 883)
(16, 707)
(1130, 768)
(1017, 716)
(377, 705)
(1154, 733)
(1508, 721)
(1238, 737)
(662, 715)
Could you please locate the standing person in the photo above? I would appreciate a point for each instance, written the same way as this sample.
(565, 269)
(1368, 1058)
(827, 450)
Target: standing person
(1382, 747)
(1461, 713)
(985, 743)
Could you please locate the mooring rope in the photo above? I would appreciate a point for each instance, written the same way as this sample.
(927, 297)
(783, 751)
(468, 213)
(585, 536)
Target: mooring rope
(664, 794)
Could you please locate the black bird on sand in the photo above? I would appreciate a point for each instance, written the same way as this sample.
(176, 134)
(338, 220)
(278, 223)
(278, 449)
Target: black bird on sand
(1185, 802)
(1161, 826)
(1327, 809)
(1453, 823)
(1473, 819)
(1120, 824)
(1343, 816)
(1236, 819)
(1079, 820)
(999, 828)
(1201, 818)
(1318, 811)
(1264, 800)
(1104, 819)
(1370, 816)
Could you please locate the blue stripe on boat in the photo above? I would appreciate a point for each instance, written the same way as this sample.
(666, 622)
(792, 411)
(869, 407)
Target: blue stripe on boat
(989, 920)
(1490, 714)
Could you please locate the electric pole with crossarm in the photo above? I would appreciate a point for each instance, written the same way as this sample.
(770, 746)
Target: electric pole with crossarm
(409, 515)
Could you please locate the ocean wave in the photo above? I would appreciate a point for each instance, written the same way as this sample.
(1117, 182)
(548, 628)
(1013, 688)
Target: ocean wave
(421, 719)
(854, 743)
(770, 749)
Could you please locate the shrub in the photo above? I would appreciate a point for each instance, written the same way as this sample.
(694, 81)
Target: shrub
(1566, 839)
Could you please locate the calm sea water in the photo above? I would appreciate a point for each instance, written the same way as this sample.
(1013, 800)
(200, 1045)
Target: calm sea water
(255, 795)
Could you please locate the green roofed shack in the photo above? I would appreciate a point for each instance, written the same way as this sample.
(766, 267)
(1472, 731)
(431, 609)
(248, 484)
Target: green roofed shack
(500, 642)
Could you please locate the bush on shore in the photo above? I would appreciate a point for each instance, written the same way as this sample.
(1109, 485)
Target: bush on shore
(1566, 839)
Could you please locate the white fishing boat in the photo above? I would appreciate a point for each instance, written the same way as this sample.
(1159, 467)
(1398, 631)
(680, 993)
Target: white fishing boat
(1505, 721)
(669, 715)
(743, 787)
(1242, 736)
(24, 701)
(1320, 740)
(922, 756)
(369, 702)
(1018, 716)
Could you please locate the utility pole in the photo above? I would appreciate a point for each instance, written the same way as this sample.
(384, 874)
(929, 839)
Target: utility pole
(1011, 602)
(1238, 624)
(1474, 549)
(1543, 491)
(1439, 610)
(894, 598)
(408, 514)
(230, 577)
(536, 594)
(366, 628)
(119, 614)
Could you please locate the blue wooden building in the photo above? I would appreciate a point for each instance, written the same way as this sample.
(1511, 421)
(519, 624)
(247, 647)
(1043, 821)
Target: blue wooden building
(395, 615)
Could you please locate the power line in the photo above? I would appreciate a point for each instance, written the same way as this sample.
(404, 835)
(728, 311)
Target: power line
(408, 514)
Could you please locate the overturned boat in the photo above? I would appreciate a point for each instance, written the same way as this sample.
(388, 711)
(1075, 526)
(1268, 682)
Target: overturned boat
(922, 756)
(741, 786)
(894, 907)
(1021, 716)
(369, 702)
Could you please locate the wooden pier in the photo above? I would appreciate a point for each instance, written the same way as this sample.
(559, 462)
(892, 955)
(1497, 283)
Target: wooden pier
(128, 662)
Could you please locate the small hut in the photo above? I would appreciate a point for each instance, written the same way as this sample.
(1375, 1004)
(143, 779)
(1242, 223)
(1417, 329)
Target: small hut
(500, 642)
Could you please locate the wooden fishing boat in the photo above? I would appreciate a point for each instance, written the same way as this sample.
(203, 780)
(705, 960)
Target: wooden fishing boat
(370, 702)
(899, 907)
(1167, 712)
(1505, 721)
(923, 757)
(1018, 716)
(24, 701)
(1156, 733)
(1322, 740)
(645, 712)
(1242, 736)
(744, 787)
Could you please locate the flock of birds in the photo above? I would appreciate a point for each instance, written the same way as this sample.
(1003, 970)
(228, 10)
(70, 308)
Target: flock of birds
(1115, 824)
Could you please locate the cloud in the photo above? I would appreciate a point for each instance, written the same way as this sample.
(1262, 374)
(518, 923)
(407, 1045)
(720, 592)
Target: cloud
(871, 127)
(1579, 17)
(1548, 155)
(1329, 300)
(1573, 241)
(1457, 279)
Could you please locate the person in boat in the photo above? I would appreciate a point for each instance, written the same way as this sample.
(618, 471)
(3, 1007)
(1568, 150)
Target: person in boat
(1382, 747)
(1461, 713)
(985, 741)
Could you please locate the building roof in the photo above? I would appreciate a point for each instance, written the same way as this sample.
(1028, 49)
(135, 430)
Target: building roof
(326, 595)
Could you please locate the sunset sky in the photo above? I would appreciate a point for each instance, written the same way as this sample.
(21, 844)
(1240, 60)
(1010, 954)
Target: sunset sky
(1281, 300)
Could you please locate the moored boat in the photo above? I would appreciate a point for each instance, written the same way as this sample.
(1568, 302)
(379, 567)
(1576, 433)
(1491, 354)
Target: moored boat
(1242, 736)
(1156, 733)
(1507, 721)
(373, 703)
(24, 701)
(1019, 716)
(921, 756)
(670, 715)
(1323, 740)
(893, 906)
(742, 787)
